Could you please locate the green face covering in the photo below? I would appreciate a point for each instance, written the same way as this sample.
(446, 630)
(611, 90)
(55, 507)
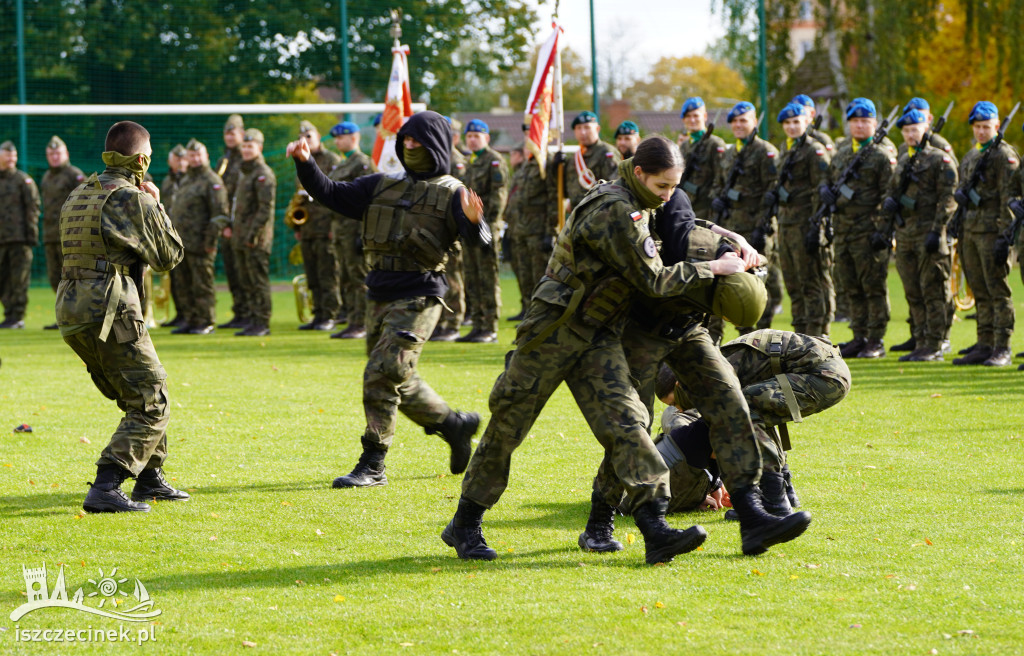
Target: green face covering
(130, 162)
(418, 160)
(648, 199)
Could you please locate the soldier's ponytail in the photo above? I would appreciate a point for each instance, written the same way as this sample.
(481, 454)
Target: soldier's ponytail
(656, 154)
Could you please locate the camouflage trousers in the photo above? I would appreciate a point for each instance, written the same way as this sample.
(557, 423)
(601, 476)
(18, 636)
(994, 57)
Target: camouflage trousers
(989, 280)
(15, 275)
(321, 265)
(126, 369)
(254, 281)
(483, 290)
(395, 334)
(925, 279)
(530, 255)
(195, 283)
(455, 298)
(596, 372)
(863, 272)
(714, 390)
(180, 282)
(239, 307)
(808, 281)
(352, 269)
(54, 262)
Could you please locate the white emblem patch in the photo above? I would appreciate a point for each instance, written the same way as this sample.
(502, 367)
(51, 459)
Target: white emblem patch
(649, 248)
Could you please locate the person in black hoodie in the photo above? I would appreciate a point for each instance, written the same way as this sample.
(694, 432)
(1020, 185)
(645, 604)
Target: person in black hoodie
(409, 222)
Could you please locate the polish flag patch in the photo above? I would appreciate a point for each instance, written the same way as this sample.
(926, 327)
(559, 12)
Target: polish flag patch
(1011, 160)
(495, 163)
(216, 186)
(636, 216)
(819, 152)
(79, 178)
(720, 149)
(28, 181)
(609, 154)
(946, 159)
(262, 178)
(771, 154)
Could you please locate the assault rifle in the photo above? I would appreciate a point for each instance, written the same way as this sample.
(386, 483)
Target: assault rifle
(692, 166)
(908, 175)
(729, 195)
(968, 194)
(821, 231)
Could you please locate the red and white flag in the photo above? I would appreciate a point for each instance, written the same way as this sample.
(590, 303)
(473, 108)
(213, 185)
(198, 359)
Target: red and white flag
(397, 111)
(544, 106)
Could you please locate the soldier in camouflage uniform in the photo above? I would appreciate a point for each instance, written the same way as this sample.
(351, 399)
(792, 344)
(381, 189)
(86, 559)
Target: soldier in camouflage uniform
(532, 223)
(410, 221)
(745, 174)
(1015, 235)
(177, 164)
(596, 160)
(920, 213)
(252, 233)
(58, 181)
(862, 241)
(703, 153)
(487, 175)
(200, 213)
(627, 138)
(454, 314)
(19, 232)
(347, 242)
(986, 262)
(935, 139)
(808, 276)
(229, 168)
(112, 227)
(812, 112)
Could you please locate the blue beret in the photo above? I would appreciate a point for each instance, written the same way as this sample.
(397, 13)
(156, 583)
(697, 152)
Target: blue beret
(345, 127)
(691, 104)
(983, 111)
(476, 125)
(584, 117)
(377, 119)
(741, 107)
(627, 127)
(912, 117)
(792, 110)
(860, 108)
(803, 99)
(916, 103)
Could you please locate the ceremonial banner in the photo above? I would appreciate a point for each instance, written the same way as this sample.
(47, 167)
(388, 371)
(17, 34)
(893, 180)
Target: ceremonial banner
(399, 108)
(544, 106)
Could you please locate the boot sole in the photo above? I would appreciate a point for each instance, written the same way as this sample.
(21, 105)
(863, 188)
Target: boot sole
(152, 497)
(450, 540)
(111, 508)
(338, 483)
(609, 547)
(793, 527)
(691, 538)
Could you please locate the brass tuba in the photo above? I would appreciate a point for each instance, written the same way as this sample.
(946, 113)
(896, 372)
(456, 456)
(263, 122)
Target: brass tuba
(158, 298)
(296, 214)
(963, 297)
(300, 285)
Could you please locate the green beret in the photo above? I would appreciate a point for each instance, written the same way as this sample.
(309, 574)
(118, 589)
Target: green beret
(627, 128)
(8, 145)
(55, 143)
(234, 122)
(584, 117)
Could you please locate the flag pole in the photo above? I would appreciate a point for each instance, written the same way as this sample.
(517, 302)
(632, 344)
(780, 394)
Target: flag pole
(560, 126)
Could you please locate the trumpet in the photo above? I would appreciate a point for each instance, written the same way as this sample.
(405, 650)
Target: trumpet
(296, 213)
(963, 297)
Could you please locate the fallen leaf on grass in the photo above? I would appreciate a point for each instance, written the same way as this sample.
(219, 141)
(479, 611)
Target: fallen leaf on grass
(658, 604)
(405, 644)
(85, 440)
(435, 569)
(338, 598)
(248, 643)
(300, 583)
(757, 572)
(214, 515)
(286, 503)
(643, 609)
(630, 538)
(936, 396)
(928, 542)
(811, 566)
(793, 576)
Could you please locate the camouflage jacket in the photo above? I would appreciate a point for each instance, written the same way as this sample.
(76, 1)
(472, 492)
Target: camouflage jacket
(824, 140)
(800, 354)
(200, 210)
(928, 202)
(808, 171)
(57, 183)
(758, 172)
(938, 141)
(487, 175)
(19, 208)
(354, 165)
(458, 164)
(318, 223)
(229, 168)
(703, 159)
(994, 189)
(859, 200)
(252, 212)
(532, 201)
(168, 187)
(135, 228)
(601, 158)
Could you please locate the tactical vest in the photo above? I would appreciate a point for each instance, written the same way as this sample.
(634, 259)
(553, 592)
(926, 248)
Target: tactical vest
(408, 225)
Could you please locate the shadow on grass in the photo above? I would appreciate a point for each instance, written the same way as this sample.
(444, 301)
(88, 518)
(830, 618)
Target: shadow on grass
(944, 377)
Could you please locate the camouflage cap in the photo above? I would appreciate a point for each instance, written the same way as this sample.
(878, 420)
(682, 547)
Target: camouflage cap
(178, 150)
(252, 134)
(234, 122)
(740, 298)
(8, 145)
(194, 144)
(306, 126)
(55, 143)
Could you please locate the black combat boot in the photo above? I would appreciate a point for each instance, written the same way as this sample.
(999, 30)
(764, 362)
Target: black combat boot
(760, 530)
(851, 348)
(151, 484)
(965, 351)
(873, 349)
(458, 429)
(794, 500)
(1000, 357)
(368, 471)
(976, 355)
(773, 488)
(908, 345)
(106, 494)
(663, 543)
(598, 534)
(465, 535)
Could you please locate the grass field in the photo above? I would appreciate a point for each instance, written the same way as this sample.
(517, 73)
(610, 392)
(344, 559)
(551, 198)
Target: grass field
(915, 482)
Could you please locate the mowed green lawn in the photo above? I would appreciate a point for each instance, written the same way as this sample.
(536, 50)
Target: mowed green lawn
(915, 482)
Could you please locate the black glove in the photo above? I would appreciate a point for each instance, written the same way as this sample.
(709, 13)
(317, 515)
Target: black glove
(359, 245)
(880, 241)
(890, 206)
(770, 198)
(558, 158)
(1001, 249)
(812, 241)
(719, 205)
(547, 244)
(1017, 207)
(757, 240)
(931, 242)
(828, 197)
(961, 197)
